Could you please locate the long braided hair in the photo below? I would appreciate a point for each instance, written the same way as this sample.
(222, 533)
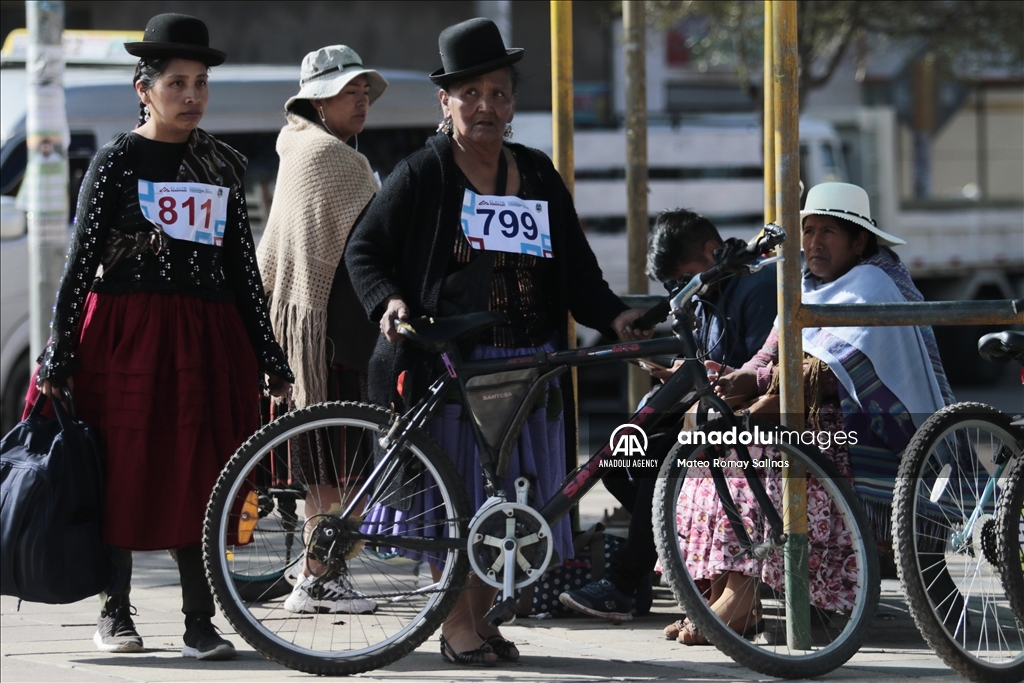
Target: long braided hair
(148, 71)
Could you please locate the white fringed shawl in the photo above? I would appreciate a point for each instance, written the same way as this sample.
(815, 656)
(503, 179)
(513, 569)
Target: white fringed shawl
(322, 186)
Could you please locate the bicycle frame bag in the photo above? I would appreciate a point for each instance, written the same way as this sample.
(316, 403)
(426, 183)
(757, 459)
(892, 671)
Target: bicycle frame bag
(51, 510)
(500, 404)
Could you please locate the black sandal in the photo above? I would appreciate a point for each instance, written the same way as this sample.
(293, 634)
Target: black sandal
(477, 657)
(502, 647)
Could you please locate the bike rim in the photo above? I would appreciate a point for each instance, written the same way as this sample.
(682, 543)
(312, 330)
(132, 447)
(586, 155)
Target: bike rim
(366, 557)
(832, 630)
(977, 619)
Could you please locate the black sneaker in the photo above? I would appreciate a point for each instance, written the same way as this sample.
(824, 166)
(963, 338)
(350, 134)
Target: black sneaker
(115, 631)
(599, 599)
(202, 641)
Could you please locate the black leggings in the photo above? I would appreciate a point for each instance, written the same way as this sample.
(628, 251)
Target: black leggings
(196, 597)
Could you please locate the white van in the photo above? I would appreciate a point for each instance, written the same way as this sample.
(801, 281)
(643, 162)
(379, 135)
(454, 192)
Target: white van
(246, 111)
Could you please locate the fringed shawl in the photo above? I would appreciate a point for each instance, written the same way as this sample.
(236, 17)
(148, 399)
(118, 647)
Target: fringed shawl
(322, 186)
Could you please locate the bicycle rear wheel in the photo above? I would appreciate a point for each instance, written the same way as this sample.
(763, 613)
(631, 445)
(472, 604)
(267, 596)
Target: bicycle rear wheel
(360, 604)
(946, 541)
(1010, 519)
(841, 546)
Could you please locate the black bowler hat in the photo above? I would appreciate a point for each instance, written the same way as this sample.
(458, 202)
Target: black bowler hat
(176, 35)
(470, 49)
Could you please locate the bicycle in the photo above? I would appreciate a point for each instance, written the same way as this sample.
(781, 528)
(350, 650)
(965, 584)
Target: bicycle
(953, 488)
(406, 470)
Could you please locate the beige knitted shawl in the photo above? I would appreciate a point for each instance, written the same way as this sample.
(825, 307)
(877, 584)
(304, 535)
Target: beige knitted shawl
(322, 186)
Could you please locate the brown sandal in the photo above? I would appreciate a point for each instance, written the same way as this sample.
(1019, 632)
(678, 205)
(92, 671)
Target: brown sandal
(695, 636)
(672, 630)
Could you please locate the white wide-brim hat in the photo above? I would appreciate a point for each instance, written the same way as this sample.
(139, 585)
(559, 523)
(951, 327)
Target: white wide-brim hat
(326, 71)
(843, 200)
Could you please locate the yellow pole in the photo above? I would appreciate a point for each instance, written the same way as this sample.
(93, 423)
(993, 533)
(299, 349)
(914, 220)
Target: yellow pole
(562, 150)
(769, 116)
(561, 90)
(787, 201)
(634, 24)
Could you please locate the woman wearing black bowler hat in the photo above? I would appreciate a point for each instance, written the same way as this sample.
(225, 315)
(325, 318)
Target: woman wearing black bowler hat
(161, 327)
(402, 256)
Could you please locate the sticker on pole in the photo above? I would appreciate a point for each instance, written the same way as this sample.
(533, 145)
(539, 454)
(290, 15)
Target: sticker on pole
(186, 211)
(518, 226)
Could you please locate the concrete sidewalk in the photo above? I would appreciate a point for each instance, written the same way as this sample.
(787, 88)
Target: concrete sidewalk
(54, 643)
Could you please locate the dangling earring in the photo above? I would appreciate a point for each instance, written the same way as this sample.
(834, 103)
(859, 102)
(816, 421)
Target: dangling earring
(145, 112)
(509, 131)
(446, 126)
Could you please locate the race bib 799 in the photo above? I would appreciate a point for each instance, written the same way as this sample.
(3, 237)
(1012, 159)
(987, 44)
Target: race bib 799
(186, 211)
(511, 224)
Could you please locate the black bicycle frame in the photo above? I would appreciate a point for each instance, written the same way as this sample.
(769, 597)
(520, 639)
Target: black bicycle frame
(680, 392)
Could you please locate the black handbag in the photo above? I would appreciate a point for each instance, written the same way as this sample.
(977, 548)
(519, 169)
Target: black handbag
(51, 510)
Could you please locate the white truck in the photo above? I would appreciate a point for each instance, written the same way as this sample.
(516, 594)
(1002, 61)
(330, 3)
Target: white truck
(956, 250)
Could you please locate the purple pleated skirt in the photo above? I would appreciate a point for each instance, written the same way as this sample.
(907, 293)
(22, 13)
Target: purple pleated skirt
(539, 455)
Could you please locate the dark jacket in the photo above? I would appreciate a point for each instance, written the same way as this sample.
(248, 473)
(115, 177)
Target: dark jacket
(403, 243)
(749, 306)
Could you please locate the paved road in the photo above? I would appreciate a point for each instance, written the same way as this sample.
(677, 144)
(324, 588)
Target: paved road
(54, 643)
(51, 643)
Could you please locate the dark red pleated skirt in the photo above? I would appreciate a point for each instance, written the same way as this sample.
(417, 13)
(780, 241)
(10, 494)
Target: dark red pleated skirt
(172, 384)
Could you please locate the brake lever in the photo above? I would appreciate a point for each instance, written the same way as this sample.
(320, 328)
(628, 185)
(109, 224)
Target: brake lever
(758, 265)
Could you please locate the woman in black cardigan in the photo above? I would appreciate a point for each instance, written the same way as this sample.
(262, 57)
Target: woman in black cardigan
(410, 239)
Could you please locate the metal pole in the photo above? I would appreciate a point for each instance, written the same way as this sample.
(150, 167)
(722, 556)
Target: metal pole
(787, 146)
(562, 150)
(634, 20)
(46, 176)
(500, 12)
(769, 116)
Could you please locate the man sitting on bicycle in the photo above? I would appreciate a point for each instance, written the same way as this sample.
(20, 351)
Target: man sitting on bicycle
(736, 318)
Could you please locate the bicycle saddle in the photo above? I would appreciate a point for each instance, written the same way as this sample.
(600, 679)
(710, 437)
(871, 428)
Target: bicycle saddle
(436, 334)
(1001, 347)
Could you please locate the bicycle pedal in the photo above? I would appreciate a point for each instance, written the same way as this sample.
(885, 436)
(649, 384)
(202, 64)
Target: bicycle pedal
(502, 613)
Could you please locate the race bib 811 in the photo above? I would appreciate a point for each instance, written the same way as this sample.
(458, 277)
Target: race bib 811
(186, 211)
(518, 226)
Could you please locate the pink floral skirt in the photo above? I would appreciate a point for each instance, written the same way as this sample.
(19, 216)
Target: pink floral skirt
(710, 547)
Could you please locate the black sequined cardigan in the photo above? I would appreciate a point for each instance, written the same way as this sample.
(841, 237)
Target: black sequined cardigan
(405, 239)
(109, 199)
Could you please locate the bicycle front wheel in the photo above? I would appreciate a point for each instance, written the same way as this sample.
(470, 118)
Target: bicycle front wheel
(1010, 520)
(359, 602)
(944, 523)
(703, 561)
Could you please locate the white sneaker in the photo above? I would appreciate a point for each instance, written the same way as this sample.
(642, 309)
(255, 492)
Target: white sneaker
(336, 596)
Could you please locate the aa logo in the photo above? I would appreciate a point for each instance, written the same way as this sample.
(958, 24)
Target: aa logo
(629, 440)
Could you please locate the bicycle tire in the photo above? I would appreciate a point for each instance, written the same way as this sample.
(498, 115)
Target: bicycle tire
(836, 635)
(404, 613)
(1010, 519)
(953, 589)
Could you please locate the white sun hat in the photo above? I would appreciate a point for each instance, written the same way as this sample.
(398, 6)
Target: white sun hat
(843, 200)
(326, 71)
